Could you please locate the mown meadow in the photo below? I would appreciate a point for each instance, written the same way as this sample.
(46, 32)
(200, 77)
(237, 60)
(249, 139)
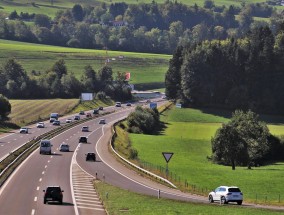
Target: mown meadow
(118, 201)
(45, 6)
(188, 135)
(144, 68)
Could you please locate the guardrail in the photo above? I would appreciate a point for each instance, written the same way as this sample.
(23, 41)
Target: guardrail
(132, 164)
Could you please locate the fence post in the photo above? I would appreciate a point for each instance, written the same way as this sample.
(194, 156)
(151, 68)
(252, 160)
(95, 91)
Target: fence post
(279, 198)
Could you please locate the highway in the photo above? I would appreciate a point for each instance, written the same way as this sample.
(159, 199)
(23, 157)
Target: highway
(23, 192)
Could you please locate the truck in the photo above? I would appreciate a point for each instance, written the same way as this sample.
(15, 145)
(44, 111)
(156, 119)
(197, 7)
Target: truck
(53, 117)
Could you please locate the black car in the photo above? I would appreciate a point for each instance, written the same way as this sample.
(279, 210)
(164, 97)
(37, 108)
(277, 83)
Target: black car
(96, 111)
(101, 108)
(91, 156)
(81, 113)
(53, 193)
(83, 139)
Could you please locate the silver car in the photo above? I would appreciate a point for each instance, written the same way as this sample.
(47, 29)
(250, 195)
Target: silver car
(64, 147)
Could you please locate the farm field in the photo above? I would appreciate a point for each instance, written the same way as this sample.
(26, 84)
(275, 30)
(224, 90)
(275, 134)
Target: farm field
(45, 6)
(188, 134)
(121, 201)
(144, 68)
(28, 111)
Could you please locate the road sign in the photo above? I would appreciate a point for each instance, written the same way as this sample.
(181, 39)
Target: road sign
(153, 105)
(167, 156)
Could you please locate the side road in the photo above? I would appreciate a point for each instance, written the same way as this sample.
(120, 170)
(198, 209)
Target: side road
(131, 176)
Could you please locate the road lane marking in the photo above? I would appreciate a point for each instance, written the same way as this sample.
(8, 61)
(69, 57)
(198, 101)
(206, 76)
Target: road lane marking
(33, 212)
(45, 166)
(37, 188)
(51, 156)
(42, 172)
(40, 179)
(48, 161)
(35, 199)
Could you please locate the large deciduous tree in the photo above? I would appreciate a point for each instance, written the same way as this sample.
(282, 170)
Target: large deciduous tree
(5, 107)
(242, 141)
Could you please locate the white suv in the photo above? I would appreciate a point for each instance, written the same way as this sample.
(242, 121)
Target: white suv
(226, 194)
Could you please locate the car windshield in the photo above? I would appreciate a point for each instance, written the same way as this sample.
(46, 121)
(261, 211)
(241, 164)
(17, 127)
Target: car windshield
(45, 144)
(234, 190)
(49, 189)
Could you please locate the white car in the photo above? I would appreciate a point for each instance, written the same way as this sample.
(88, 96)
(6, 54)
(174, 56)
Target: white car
(68, 120)
(24, 130)
(64, 147)
(40, 125)
(226, 194)
(85, 128)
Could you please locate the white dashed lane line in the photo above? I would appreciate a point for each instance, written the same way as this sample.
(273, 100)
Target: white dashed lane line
(33, 212)
(42, 173)
(35, 199)
(40, 179)
(37, 188)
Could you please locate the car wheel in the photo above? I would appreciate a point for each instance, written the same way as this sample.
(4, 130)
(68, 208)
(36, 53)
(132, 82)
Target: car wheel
(44, 201)
(223, 200)
(240, 202)
(210, 198)
(61, 202)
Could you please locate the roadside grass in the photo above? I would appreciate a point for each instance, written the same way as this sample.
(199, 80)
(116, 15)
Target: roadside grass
(118, 201)
(89, 105)
(188, 135)
(144, 68)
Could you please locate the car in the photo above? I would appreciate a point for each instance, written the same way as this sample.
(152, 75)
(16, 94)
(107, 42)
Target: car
(76, 117)
(128, 104)
(102, 121)
(101, 108)
(88, 115)
(56, 122)
(40, 125)
(85, 128)
(45, 147)
(81, 113)
(53, 193)
(24, 130)
(118, 104)
(226, 194)
(83, 139)
(90, 156)
(96, 111)
(64, 147)
(68, 120)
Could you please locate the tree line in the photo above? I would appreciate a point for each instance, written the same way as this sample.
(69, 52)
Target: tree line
(244, 73)
(153, 28)
(56, 82)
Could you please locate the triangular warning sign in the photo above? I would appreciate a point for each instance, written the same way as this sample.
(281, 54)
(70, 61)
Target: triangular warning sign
(167, 156)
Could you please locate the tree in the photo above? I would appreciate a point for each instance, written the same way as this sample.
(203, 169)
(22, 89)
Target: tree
(105, 77)
(59, 68)
(42, 20)
(5, 107)
(243, 141)
(77, 12)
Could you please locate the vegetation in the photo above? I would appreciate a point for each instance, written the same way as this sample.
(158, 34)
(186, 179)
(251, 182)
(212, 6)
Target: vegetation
(188, 135)
(118, 201)
(143, 120)
(143, 27)
(242, 141)
(5, 107)
(235, 74)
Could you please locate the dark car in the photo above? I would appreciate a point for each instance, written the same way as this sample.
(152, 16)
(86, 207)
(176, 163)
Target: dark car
(83, 139)
(96, 111)
(101, 108)
(76, 117)
(88, 115)
(91, 156)
(81, 113)
(53, 193)
(128, 104)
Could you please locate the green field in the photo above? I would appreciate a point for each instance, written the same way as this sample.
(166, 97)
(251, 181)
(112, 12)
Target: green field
(144, 68)
(45, 7)
(118, 201)
(188, 133)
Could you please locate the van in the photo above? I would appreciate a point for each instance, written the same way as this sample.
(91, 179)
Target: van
(53, 117)
(45, 147)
